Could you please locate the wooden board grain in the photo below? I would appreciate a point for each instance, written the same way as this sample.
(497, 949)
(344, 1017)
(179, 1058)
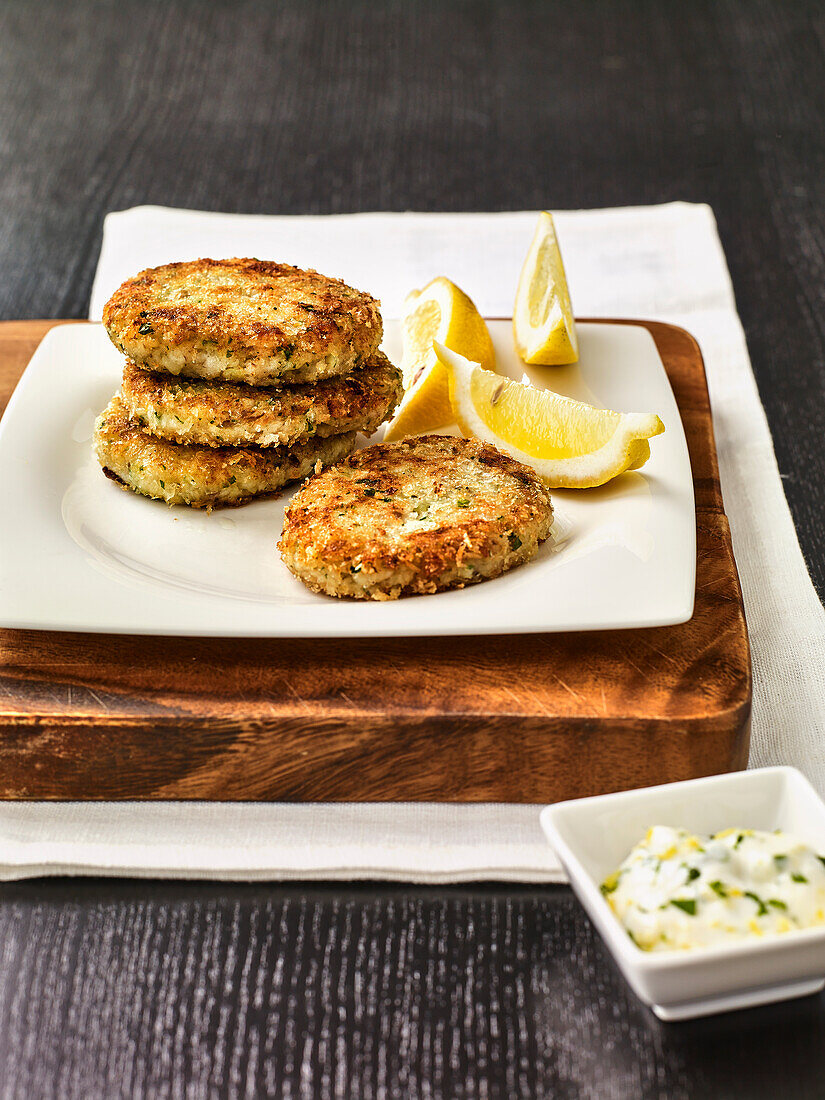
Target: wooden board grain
(529, 718)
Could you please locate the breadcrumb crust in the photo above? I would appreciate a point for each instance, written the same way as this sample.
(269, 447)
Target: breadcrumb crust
(232, 414)
(243, 320)
(202, 477)
(414, 517)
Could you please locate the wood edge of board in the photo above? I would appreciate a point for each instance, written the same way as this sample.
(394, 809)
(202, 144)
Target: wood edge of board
(133, 727)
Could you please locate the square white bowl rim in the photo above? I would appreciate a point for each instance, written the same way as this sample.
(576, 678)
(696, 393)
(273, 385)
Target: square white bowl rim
(793, 798)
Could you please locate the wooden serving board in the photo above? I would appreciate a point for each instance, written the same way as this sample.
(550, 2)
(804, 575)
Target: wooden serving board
(526, 718)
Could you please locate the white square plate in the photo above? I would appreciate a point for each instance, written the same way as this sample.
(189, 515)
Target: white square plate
(78, 553)
(592, 836)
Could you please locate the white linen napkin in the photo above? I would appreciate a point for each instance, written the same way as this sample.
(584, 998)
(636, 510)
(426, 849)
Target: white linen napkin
(664, 263)
(249, 841)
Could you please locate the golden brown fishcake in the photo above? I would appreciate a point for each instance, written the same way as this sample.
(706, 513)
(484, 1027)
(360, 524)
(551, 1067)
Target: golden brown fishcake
(202, 476)
(243, 320)
(231, 414)
(414, 517)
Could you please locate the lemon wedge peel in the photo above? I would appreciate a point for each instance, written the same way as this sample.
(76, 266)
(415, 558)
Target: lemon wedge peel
(568, 443)
(440, 311)
(544, 329)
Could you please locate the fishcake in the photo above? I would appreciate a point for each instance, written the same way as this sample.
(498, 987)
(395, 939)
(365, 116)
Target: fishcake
(203, 476)
(231, 414)
(414, 517)
(243, 320)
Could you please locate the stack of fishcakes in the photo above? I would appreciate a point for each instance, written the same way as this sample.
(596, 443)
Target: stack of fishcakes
(241, 376)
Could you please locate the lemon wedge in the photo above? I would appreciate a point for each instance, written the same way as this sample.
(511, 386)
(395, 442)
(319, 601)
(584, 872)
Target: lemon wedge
(543, 325)
(568, 443)
(442, 312)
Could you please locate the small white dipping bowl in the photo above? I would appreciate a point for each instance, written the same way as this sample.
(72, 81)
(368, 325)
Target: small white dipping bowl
(592, 836)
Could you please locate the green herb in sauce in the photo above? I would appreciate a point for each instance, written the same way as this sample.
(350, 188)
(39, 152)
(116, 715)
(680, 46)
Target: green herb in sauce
(676, 890)
(687, 905)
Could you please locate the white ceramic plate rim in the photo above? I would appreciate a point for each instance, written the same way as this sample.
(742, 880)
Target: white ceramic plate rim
(58, 585)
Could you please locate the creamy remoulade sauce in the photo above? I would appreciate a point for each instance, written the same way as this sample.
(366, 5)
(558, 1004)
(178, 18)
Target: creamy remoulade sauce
(677, 890)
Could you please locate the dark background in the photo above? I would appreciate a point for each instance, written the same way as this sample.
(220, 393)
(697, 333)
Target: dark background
(303, 106)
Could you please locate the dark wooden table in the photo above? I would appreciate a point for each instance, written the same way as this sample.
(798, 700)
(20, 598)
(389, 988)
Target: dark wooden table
(167, 989)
